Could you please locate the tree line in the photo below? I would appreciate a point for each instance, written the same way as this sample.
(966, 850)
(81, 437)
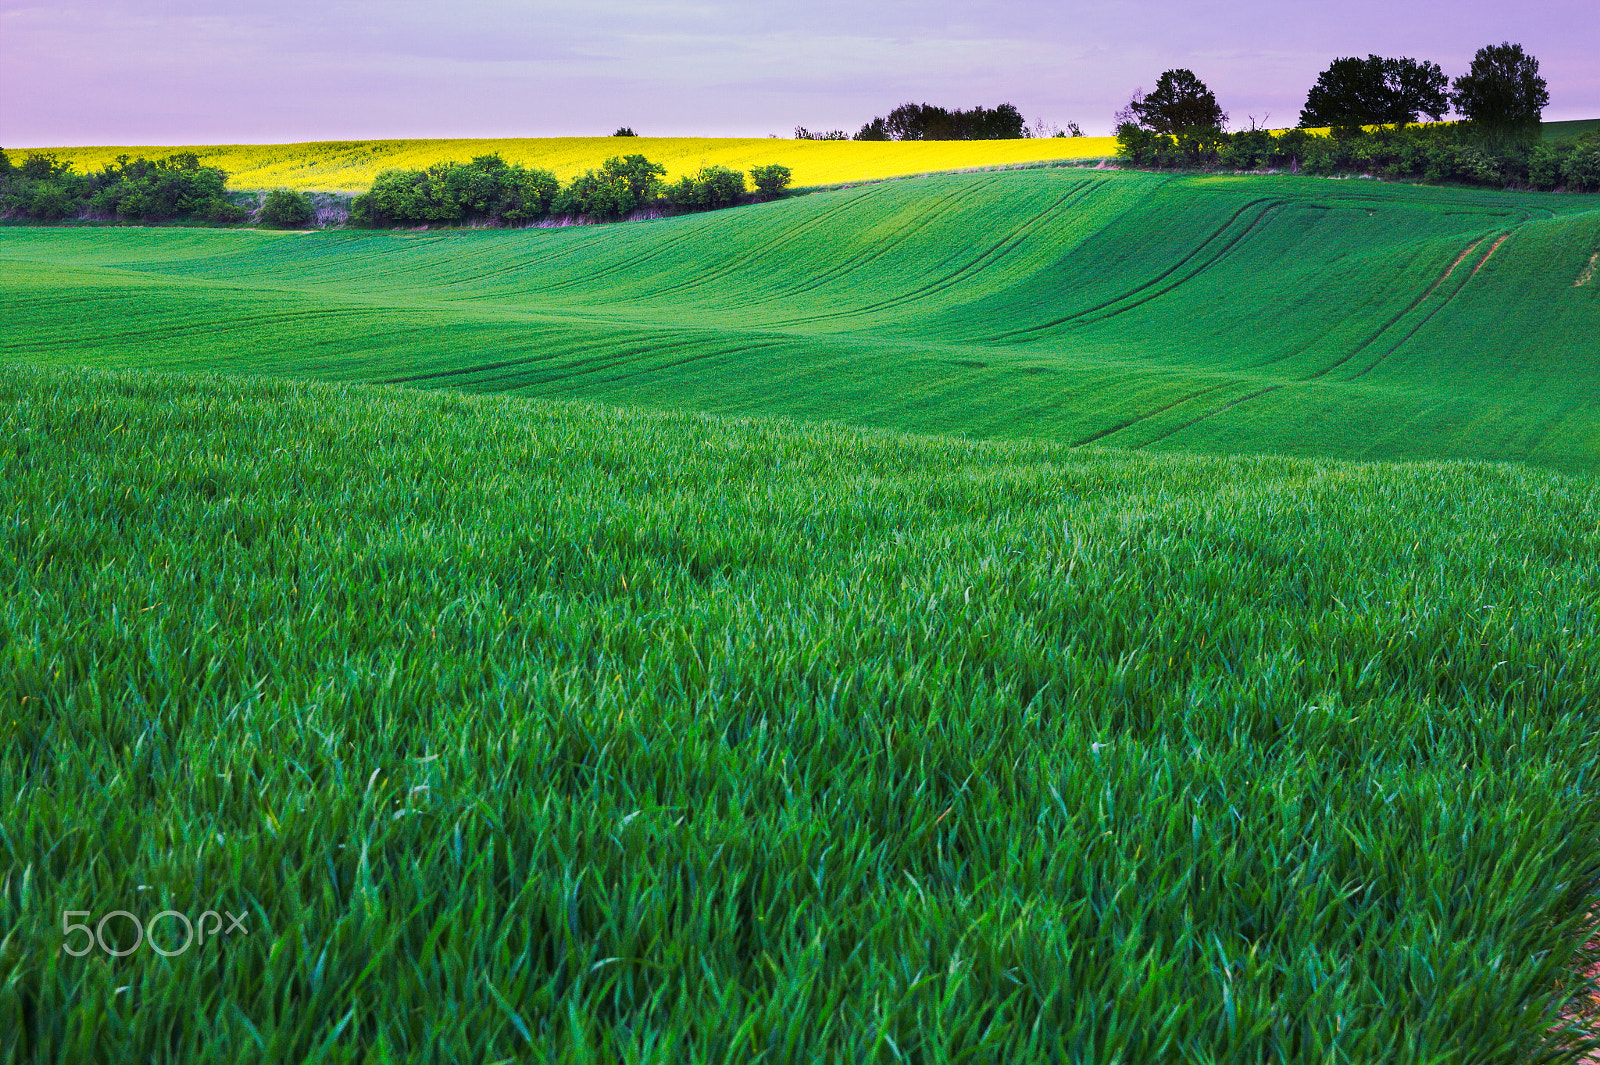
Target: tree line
(1369, 107)
(491, 191)
(927, 122)
(44, 188)
(486, 191)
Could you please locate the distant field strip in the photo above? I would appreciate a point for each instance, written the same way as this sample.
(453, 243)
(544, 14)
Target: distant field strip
(351, 166)
(1214, 314)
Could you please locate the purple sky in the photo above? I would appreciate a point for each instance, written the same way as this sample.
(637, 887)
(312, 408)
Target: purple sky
(207, 71)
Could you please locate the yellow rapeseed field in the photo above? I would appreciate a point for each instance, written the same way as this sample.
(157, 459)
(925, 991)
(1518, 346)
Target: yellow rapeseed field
(350, 166)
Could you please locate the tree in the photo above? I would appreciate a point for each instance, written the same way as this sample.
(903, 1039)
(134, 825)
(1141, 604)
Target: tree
(1180, 101)
(1420, 87)
(1374, 91)
(918, 122)
(1349, 94)
(876, 130)
(1503, 93)
(625, 131)
(925, 122)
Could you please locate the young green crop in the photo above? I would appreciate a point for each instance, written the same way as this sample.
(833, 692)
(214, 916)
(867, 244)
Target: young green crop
(1222, 314)
(517, 730)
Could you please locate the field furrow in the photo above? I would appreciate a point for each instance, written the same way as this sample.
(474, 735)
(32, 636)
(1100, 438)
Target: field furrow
(1124, 309)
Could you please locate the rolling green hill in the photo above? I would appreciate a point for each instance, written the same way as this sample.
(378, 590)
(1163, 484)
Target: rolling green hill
(518, 730)
(1204, 314)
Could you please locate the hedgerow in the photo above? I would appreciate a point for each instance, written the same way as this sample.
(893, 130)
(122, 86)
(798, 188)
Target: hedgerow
(1454, 152)
(44, 188)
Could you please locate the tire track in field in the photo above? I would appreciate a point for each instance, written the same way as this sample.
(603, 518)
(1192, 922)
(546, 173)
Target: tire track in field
(934, 213)
(458, 371)
(1209, 414)
(1409, 308)
(1397, 345)
(622, 354)
(1301, 349)
(1136, 419)
(702, 278)
(599, 236)
(743, 303)
(179, 331)
(1587, 273)
(546, 255)
(984, 259)
(654, 251)
(558, 365)
(654, 367)
(1266, 205)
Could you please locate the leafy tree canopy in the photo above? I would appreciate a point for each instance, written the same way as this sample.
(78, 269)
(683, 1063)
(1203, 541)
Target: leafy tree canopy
(876, 130)
(1180, 102)
(1503, 92)
(925, 122)
(1376, 91)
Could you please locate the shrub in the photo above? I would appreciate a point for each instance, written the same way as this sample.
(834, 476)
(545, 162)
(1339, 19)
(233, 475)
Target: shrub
(484, 190)
(223, 213)
(1580, 171)
(51, 203)
(38, 167)
(529, 194)
(1201, 144)
(1440, 153)
(622, 185)
(712, 187)
(1246, 150)
(1135, 144)
(1288, 149)
(283, 209)
(177, 187)
(771, 179)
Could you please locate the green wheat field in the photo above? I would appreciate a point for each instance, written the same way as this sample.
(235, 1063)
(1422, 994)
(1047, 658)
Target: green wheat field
(1050, 616)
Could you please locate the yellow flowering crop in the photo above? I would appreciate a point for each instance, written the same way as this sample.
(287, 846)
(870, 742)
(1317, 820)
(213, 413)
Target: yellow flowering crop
(350, 166)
